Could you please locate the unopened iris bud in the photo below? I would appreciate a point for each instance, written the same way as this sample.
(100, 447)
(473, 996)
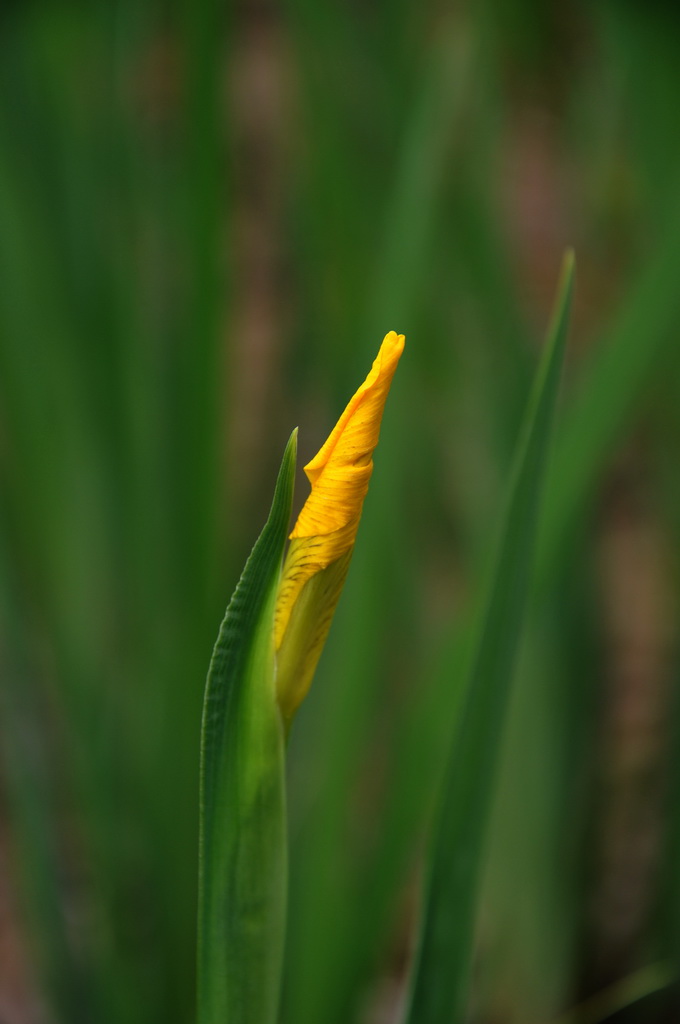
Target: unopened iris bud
(322, 540)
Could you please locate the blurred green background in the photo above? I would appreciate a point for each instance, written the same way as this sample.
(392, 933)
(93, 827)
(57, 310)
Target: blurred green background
(210, 214)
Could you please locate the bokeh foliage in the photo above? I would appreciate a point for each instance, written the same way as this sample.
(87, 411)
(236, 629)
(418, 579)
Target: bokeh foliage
(209, 216)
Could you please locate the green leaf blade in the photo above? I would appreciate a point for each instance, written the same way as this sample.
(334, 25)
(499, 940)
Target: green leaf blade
(242, 844)
(440, 980)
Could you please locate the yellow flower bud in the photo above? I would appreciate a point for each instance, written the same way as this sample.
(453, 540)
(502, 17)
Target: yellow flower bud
(322, 540)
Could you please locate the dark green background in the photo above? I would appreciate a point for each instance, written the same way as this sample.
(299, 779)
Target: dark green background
(210, 214)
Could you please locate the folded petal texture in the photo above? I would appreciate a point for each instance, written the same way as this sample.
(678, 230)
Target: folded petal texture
(323, 536)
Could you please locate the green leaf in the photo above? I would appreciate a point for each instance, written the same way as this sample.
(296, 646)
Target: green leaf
(242, 845)
(442, 967)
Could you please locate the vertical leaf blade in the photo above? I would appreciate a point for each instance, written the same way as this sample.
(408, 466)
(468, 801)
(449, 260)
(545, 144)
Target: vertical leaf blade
(242, 844)
(441, 973)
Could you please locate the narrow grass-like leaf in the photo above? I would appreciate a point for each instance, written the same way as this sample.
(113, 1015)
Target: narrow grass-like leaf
(242, 847)
(631, 351)
(441, 973)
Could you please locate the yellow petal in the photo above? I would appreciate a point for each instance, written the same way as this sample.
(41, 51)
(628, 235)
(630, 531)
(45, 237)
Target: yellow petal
(340, 472)
(324, 534)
